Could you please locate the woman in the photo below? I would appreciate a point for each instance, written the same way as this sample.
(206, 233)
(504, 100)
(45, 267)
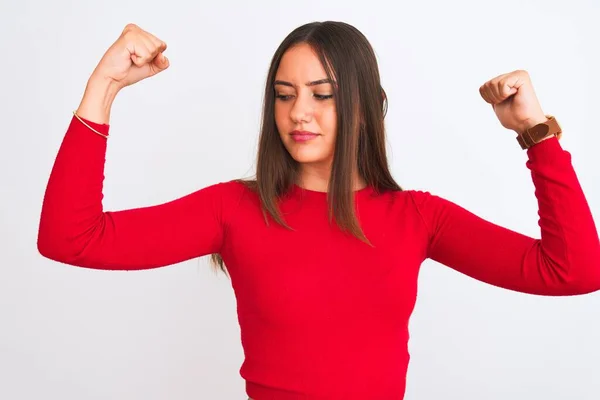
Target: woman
(323, 248)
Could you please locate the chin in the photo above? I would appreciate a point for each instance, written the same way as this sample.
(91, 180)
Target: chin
(309, 160)
(305, 157)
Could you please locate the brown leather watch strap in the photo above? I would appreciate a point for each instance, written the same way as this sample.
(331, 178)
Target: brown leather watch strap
(535, 134)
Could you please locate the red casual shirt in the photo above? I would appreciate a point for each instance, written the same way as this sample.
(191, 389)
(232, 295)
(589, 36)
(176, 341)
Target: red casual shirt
(322, 314)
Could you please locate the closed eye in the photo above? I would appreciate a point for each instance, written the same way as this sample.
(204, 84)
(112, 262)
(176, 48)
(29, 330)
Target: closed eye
(285, 97)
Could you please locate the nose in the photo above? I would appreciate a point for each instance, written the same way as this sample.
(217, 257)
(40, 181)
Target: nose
(302, 110)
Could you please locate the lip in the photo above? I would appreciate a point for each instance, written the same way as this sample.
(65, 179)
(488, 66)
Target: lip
(303, 136)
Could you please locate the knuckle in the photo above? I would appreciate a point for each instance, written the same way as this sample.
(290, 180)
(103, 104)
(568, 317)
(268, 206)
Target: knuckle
(130, 27)
(129, 35)
(159, 44)
(152, 49)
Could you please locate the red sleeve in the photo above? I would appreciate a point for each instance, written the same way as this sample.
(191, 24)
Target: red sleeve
(74, 228)
(565, 260)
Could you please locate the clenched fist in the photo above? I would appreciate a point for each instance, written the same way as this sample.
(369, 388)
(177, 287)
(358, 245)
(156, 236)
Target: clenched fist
(135, 55)
(514, 100)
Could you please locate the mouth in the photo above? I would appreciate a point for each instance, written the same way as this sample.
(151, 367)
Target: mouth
(303, 136)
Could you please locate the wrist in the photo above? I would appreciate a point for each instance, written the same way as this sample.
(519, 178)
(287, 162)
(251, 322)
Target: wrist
(97, 100)
(537, 130)
(531, 122)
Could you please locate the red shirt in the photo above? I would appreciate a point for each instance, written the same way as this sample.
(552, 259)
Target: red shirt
(322, 315)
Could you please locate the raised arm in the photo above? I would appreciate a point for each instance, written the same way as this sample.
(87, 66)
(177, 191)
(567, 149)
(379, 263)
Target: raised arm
(565, 259)
(75, 229)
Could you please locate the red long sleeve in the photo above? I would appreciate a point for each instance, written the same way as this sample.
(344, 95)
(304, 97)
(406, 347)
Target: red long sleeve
(74, 228)
(564, 261)
(322, 314)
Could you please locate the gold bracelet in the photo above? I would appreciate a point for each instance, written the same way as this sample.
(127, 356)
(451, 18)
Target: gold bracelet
(93, 130)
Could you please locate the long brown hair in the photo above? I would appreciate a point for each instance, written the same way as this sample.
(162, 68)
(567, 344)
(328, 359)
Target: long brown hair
(361, 105)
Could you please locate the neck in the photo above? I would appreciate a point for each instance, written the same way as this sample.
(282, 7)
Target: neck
(316, 178)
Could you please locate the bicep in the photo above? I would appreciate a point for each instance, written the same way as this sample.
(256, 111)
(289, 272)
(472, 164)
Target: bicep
(487, 251)
(146, 237)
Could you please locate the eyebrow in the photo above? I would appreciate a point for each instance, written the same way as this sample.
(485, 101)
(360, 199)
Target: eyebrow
(313, 83)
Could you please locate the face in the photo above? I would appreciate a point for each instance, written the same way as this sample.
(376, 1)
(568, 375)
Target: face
(305, 112)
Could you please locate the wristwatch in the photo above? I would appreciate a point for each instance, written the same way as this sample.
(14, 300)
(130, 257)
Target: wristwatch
(535, 134)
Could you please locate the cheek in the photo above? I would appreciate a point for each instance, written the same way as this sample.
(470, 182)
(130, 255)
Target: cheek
(328, 121)
(282, 120)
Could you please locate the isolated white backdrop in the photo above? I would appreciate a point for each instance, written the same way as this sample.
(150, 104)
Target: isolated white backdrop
(171, 333)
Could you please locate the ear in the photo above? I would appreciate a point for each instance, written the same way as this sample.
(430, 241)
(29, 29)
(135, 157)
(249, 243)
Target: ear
(384, 101)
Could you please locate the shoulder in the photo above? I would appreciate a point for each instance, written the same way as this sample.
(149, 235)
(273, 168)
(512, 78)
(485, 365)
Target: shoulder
(238, 193)
(408, 197)
(434, 208)
(232, 187)
(419, 197)
(223, 199)
(404, 202)
(425, 203)
(232, 192)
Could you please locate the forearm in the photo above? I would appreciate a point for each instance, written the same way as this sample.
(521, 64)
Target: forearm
(72, 204)
(569, 237)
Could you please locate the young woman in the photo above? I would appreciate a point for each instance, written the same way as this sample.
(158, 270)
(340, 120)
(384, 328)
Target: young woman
(323, 248)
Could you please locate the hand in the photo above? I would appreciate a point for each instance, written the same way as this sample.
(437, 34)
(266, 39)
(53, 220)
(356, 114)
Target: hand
(135, 55)
(514, 101)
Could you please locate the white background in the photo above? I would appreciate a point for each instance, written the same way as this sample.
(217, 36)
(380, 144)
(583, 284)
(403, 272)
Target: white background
(171, 333)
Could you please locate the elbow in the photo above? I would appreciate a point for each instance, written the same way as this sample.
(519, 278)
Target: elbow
(49, 242)
(576, 273)
(585, 267)
(56, 246)
(52, 249)
(586, 280)
(78, 246)
(590, 271)
(62, 240)
(593, 280)
(44, 243)
(61, 252)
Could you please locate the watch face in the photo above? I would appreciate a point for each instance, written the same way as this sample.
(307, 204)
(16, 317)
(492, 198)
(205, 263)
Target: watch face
(540, 131)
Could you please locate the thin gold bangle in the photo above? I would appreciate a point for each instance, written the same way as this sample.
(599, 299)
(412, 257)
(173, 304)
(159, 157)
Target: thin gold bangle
(83, 122)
